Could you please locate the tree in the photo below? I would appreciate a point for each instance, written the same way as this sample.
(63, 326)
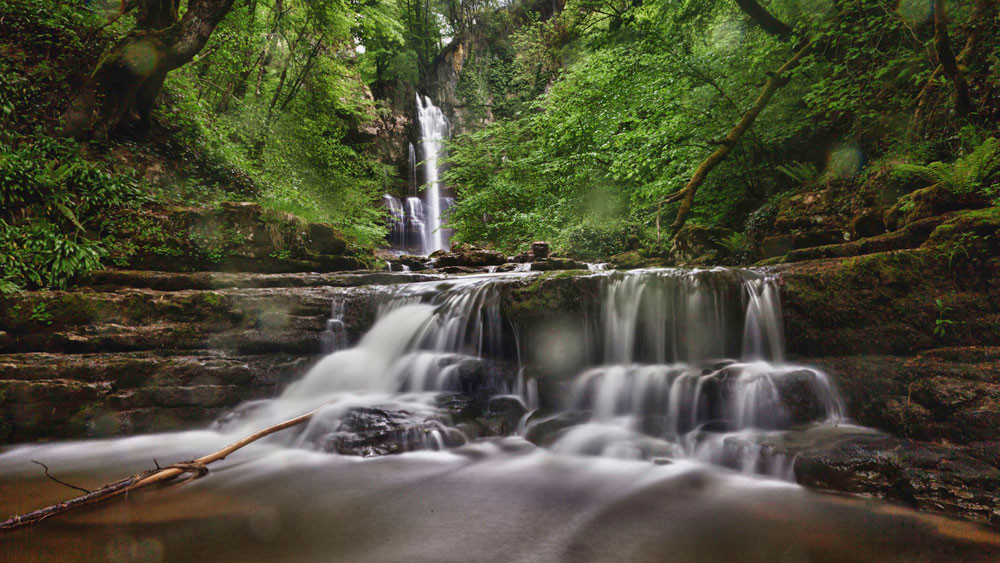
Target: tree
(777, 80)
(121, 90)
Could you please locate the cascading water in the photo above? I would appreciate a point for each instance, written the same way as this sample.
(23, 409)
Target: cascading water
(433, 130)
(428, 338)
(693, 367)
(685, 365)
(414, 222)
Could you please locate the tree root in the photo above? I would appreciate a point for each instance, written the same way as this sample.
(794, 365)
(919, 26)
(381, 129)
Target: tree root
(197, 467)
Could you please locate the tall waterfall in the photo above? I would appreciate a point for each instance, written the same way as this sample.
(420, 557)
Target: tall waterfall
(433, 130)
(415, 222)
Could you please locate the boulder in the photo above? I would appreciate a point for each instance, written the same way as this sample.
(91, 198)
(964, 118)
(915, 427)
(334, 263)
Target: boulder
(929, 202)
(868, 223)
(324, 239)
(550, 264)
(467, 256)
(544, 429)
(539, 250)
(698, 245)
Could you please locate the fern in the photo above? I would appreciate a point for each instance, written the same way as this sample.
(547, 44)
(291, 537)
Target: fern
(800, 172)
(973, 173)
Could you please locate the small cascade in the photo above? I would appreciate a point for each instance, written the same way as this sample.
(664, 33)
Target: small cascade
(407, 226)
(335, 337)
(693, 367)
(428, 338)
(689, 364)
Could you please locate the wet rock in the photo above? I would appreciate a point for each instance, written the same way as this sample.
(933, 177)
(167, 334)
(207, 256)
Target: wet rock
(922, 475)
(868, 223)
(539, 250)
(799, 394)
(414, 263)
(777, 245)
(468, 257)
(930, 202)
(324, 239)
(369, 431)
(542, 430)
(633, 259)
(510, 408)
(551, 264)
(697, 245)
(100, 395)
(924, 398)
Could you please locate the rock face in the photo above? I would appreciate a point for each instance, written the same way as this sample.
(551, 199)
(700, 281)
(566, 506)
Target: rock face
(912, 340)
(539, 250)
(467, 256)
(924, 475)
(173, 351)
(234, 237)
(696, 245)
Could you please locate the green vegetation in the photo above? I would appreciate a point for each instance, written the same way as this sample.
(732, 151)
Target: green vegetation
(644, 91)
(600, 125)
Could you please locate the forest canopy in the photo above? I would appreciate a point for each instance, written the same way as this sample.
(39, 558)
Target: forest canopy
(600, 125)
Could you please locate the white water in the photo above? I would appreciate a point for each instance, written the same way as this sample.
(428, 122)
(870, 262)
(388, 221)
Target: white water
(433, 130)
(690, 366)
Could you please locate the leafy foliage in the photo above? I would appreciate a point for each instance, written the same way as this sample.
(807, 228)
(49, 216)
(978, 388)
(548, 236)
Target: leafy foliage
(53, 205)
(976, 172)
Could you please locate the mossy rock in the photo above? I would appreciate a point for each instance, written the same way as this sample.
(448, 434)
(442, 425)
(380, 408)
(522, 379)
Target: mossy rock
(695, 245)
(929, 202)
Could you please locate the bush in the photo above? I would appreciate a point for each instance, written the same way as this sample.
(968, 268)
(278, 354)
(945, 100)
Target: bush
(590, 241)
(53, 205)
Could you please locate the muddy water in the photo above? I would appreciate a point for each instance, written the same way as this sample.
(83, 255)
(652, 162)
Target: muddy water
(499, 500)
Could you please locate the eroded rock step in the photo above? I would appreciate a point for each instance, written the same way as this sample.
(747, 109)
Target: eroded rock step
(57, 396)
(177, 281)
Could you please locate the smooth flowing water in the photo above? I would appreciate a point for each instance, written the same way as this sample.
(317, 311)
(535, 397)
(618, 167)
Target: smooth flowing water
(658, 414)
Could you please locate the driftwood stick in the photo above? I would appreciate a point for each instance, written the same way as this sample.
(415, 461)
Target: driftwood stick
(146, 478)
(64, 483)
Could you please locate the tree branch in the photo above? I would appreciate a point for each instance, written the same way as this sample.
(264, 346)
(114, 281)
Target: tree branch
(146, 478)
(764, 19)
(778, 79)
(949, 64)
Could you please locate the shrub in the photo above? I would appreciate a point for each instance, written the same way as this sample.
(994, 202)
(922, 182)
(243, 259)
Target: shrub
(53, 203)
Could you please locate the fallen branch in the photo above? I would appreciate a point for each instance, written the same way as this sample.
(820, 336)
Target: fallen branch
(198, 467)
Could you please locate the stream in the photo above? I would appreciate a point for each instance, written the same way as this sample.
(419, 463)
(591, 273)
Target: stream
(665, 426)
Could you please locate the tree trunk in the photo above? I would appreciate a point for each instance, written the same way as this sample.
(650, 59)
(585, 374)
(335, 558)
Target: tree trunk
(949, 64)
(121, 90)
(764, 19)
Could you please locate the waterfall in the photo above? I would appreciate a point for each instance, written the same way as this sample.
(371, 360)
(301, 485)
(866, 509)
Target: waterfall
(413, 169)
(407, 224)
(415, 222)
(433, 130)
(690, 364)
(427, 338)
(693, 366)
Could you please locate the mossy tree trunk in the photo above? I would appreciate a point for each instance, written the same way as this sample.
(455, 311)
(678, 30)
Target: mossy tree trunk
(122, 88)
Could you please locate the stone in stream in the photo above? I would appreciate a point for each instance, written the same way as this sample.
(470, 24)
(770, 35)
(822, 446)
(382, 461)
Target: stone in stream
(540, 250)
